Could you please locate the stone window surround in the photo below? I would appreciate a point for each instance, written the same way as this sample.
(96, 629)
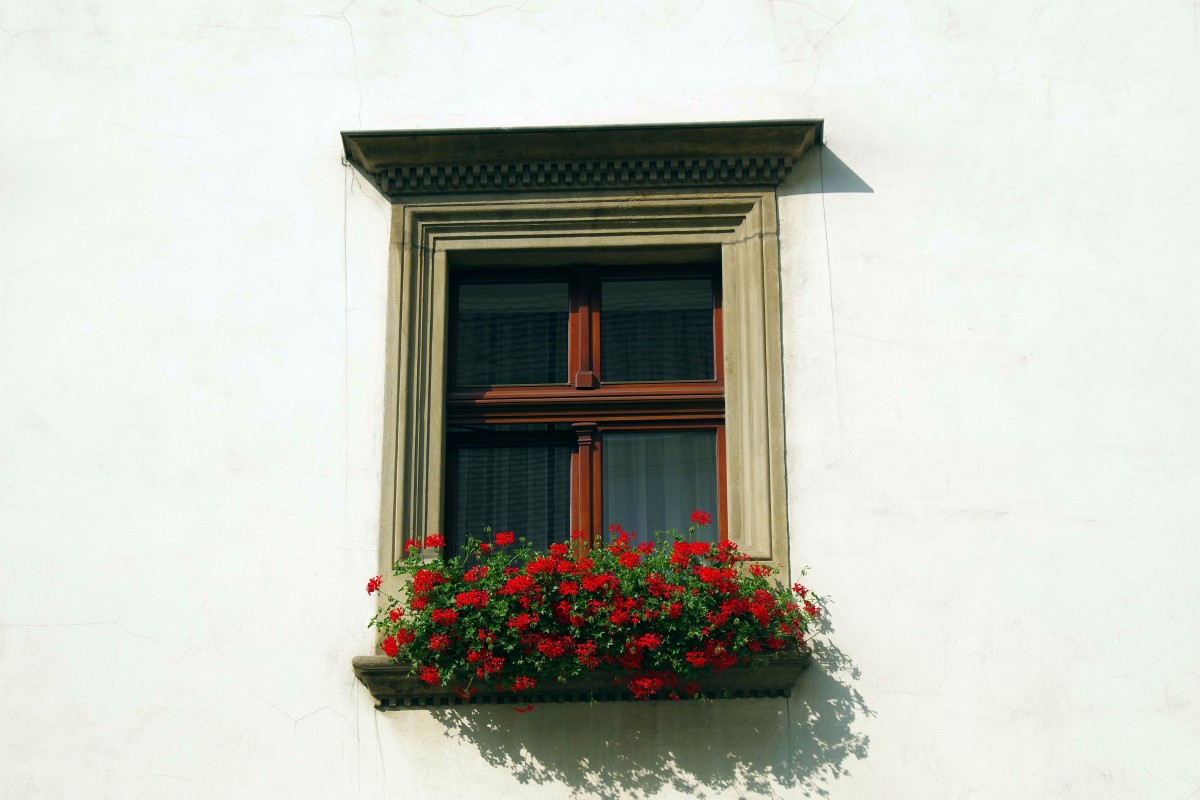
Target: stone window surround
(626, 201)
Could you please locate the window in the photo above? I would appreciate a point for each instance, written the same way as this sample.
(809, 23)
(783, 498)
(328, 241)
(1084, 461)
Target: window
(581, 396)
(536, 199)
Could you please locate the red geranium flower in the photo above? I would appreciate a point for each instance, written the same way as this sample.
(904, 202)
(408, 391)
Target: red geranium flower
(518, 584)
(444, 616)
(374, 584)
(648, 640)
(554, 646)
(478, 598)
(596, 583)
(540, 566)
(505, 538)
(681, 552)
(701, 517)
(620, 617)
(435, 540)
(586, 653)
(521, 621)
(430, 675)
(645, 687)
(426, 579)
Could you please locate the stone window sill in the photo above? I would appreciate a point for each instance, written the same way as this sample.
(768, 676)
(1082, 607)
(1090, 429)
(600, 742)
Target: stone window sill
(394, 688)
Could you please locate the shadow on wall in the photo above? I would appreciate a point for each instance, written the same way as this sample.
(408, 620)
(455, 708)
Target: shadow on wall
(820, 171)
(634, 749)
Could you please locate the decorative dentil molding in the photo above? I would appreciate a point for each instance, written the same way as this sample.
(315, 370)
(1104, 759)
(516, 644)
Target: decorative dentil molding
(403, 164)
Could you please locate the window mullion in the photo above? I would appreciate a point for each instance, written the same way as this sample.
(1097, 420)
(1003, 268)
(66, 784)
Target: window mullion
(586, 478)
(583, 321)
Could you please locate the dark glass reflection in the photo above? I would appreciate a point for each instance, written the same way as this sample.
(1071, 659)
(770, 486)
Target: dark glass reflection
(524, 489)
(656, 330)
(511, 334)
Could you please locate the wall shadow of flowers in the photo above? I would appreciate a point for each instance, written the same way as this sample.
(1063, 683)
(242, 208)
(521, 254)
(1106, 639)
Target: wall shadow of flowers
(747, 747)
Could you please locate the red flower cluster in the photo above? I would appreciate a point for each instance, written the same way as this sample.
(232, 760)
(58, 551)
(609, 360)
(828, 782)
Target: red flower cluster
(477, 598)
(374, 584)
(392, 644)
(489, 663)
(475, 573)
(682, 553)
(426, 580)
(654, 616)
(444, 616)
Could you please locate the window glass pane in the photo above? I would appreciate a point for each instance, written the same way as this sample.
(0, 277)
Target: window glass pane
(654, 481)
(656, 330)
(511, 333)
(525, 489)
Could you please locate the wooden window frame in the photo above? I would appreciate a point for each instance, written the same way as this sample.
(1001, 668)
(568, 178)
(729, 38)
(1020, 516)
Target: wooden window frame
(428, 234)
(592, 406)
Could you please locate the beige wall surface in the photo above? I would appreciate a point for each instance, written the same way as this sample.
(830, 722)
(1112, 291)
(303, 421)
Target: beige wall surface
(992, 370)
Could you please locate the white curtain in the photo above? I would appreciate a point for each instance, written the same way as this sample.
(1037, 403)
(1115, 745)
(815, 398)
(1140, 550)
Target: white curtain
(654, 481)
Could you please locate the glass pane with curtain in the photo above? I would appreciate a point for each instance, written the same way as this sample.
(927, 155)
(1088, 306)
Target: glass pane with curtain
(656, 330)
(510, 334)
(653, 481)
(523, 488)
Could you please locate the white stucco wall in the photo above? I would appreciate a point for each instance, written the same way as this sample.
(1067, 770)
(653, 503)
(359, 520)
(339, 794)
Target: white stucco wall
(992, 369)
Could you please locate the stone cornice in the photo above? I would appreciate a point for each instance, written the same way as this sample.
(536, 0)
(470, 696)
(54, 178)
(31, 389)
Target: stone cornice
(404, 164)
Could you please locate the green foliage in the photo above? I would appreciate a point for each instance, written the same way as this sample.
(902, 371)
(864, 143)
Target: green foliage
(655, 615)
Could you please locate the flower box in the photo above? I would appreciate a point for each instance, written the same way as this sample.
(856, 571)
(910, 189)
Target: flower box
(665, 619)
(394, 687)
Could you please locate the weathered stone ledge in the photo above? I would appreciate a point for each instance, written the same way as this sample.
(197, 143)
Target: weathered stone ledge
(394, 688)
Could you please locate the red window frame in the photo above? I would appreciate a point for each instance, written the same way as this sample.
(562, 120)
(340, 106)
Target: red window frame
(585, 401)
